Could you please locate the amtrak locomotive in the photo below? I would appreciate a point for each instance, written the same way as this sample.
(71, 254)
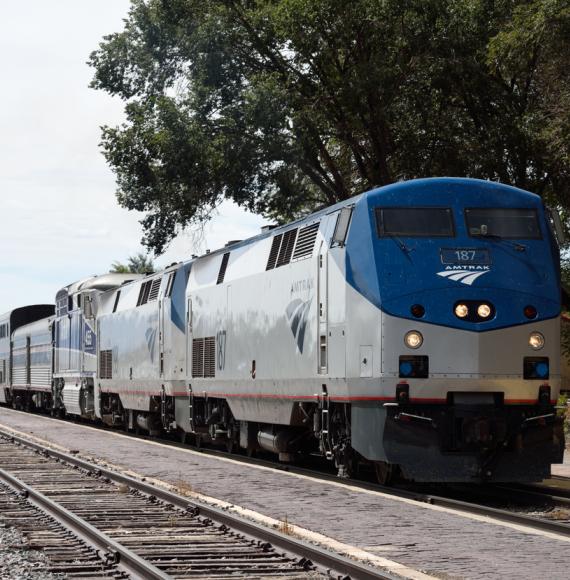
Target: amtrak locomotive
(414, 327)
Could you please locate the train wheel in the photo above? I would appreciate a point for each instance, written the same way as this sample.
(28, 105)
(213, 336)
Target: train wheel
(385, 472)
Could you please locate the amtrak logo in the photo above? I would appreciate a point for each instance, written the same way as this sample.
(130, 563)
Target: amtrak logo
(150, 335)
(298, 314)
(465, 275)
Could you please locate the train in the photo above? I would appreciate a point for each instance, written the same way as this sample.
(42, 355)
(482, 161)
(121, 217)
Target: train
(413, 328)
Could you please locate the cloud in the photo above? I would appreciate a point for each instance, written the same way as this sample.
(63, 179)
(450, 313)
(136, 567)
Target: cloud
(59, 220)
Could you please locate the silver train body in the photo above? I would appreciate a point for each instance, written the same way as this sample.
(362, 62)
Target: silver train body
(26, 352)
(295, 342)
(75, 343)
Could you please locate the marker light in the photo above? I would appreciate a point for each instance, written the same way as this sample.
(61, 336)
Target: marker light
(417, 310)
(406, 368)
(461, 311)
(530, 311)
(542, 370)
(484, 310)
(536, 340)
(413, 339)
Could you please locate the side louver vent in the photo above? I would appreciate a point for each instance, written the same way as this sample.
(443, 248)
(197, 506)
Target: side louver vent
(281, 249)
(286, 250)
(306, 242)
(204, 357)
(154, 289)
(210, 357)
(144, 292)
(106, 364)
(198, 357)
(223, 267)
(274, 252)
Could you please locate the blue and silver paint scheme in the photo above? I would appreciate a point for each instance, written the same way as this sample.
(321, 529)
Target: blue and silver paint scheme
(141, 330)
(299, 335)
(75, 338)
(333, 323)
(475, 368)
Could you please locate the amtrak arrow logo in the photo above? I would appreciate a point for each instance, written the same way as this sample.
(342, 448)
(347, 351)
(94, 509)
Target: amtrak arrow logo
(298, 314)
(463, 276)
(150, 335)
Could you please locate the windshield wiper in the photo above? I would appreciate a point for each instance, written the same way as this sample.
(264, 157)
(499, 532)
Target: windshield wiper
(495, 237)
(401, 244)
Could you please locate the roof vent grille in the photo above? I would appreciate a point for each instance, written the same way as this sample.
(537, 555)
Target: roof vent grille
(155, 289)
(286, 250)
(274, 252)
(306, 242)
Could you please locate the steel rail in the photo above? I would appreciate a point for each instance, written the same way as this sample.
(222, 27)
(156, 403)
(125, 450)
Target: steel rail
(530, 490)
(117, 553)
(336, 563)
(551, 526)
(537, 492)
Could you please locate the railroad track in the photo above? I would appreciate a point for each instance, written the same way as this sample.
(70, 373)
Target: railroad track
(480, 498)
(67, 553)
(121, 527)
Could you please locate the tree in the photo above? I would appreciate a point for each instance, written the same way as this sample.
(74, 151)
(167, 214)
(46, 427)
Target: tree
(137, 264)
(287, 105)
(531, 54)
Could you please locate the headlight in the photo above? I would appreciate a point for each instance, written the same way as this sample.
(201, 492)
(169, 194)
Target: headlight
(413, 339)
(484, 311)
(536, 340)
(461, 310)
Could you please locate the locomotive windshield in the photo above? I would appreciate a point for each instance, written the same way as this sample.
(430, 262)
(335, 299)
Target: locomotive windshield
(503, 223)
(414, 221)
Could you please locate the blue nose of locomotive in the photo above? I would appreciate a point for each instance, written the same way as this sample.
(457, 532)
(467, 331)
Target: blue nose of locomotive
(462, 253)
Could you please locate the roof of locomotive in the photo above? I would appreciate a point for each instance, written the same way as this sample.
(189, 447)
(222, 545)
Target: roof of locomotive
(422, 187)
(101, 282)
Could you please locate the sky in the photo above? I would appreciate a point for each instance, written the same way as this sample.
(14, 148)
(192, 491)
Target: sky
(59, 217)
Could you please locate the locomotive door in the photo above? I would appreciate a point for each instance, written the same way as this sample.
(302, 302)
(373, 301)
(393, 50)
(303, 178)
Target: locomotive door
(322, 297)
(189, 338)
(161, 335)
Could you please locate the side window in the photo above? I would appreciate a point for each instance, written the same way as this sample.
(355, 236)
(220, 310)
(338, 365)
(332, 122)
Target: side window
(341, 227)
(170, 285)
(117, 298)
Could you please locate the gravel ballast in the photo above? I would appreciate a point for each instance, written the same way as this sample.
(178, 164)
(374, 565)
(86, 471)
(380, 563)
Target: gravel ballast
(17, 562)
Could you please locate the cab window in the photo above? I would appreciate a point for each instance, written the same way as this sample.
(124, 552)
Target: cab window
(425, 222)
(501, 222)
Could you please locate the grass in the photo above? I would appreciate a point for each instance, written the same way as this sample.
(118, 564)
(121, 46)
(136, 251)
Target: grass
(285, 527)
(563, 402)
(183, 487)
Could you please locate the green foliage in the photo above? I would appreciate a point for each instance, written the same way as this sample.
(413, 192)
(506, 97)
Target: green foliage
(287, 105)
(137, 264)
(532, 53)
